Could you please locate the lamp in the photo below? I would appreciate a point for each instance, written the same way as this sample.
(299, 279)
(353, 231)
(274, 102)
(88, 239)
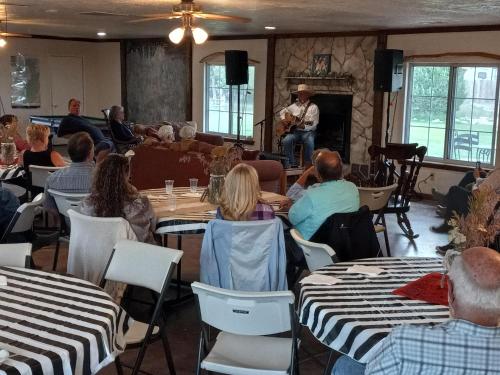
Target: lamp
(176, 35)
(199, 35)
(3, 42)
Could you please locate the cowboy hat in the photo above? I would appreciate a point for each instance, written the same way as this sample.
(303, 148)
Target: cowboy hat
(304, 88)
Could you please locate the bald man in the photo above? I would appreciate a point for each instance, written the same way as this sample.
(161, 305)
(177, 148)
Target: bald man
(469, 343)
(330, 196)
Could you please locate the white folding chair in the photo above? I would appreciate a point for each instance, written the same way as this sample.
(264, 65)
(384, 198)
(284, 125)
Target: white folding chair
(376, 199)
(91, 243)
(15, 255)
(317, 254)
(22, 224)
(40, 173)
(64, 203)
(151, 267)
(67, 201)
(243, 319)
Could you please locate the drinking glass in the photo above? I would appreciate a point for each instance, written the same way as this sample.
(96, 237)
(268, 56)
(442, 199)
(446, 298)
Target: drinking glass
(169, 186)
(171, 204)
(193, 185)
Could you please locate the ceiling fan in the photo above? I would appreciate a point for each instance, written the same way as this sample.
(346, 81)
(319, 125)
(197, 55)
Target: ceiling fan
(5, 33)
(187, 11)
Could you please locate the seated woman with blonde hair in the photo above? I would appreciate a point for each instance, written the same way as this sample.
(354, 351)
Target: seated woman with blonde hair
(112, 195)
(241, 199)
(39, 152)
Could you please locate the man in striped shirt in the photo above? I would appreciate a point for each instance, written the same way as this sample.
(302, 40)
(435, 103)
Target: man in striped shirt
(77, 177)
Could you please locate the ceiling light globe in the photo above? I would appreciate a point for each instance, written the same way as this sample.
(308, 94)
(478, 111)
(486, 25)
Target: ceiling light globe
(176, 35)
(3, 42)
(199, 35)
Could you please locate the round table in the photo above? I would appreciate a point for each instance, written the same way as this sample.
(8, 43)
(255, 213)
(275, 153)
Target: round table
(354, 315)
(10, 172)
(55, 324)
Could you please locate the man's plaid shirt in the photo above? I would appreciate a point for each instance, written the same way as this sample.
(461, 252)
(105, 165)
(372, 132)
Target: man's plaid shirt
(454, 347)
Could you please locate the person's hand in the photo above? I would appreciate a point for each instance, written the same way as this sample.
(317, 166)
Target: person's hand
(286, 204)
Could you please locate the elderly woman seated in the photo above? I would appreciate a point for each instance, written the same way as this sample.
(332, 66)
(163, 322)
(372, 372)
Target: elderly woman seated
(187, 143)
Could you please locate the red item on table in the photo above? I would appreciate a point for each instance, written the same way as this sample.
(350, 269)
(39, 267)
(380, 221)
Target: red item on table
(427, 288)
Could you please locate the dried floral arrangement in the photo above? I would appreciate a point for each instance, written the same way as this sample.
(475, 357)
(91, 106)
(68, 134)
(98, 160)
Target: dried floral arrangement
(481, 225)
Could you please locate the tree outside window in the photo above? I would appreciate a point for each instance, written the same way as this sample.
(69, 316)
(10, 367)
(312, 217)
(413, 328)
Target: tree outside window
(216, 103)
(451, 109)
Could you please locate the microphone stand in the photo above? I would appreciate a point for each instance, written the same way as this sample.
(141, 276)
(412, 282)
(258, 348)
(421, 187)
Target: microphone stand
(261, 124)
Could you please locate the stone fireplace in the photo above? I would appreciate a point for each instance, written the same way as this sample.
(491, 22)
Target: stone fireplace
(348, 105)
(334, 128)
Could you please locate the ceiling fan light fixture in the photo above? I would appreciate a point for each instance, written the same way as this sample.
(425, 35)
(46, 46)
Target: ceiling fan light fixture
(176, 35)
(3, 42)
(200, 36)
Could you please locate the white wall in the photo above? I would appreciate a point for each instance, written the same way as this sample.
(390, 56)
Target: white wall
(419, 44)
(101, 73)
(257, 50)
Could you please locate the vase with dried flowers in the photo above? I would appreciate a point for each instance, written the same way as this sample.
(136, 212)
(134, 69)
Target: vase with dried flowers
(481, 225)
(218, 170)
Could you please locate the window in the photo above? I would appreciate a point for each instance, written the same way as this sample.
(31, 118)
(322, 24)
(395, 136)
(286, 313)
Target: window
(216, 104)
(452, 109)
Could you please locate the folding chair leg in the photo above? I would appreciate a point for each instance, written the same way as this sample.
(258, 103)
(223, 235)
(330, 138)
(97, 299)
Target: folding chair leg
(56, 256)
(200, 354)
(327, 367)
(386, 237)
(118, 365)
(168, 353)
(140, 356)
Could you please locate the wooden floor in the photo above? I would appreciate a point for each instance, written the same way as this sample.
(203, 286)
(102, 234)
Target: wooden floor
(183, 323)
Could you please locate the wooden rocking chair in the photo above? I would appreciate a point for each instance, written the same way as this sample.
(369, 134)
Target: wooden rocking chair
(397, 163)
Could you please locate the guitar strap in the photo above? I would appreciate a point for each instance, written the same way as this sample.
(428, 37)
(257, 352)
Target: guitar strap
(305, 111)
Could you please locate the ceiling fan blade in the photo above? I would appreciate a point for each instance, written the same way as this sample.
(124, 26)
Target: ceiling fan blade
(156, 17)
(220, 17)
(16, 35)
(13, 4)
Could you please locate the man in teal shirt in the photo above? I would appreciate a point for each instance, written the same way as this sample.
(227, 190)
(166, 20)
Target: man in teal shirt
(332, 195)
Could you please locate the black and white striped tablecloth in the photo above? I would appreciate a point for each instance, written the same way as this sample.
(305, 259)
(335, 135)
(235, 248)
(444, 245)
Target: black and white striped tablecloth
(10, 173)
(354, 315)
(54, 324)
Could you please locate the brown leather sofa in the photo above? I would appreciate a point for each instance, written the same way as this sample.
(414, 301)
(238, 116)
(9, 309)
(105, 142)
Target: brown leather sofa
(152, 165)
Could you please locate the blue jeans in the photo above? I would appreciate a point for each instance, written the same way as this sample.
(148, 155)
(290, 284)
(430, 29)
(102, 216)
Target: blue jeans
(345, 365)
(299, 136)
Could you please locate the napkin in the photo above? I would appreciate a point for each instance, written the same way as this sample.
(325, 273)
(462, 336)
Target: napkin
(365, 270)
(3, 281)
(191, 195)
(427, 288)
(319, 279)
(4, 354)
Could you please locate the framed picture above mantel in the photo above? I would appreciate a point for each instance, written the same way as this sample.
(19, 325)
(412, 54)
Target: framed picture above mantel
(321, 65)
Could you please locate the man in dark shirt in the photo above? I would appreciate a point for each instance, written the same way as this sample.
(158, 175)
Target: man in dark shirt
(74, 123)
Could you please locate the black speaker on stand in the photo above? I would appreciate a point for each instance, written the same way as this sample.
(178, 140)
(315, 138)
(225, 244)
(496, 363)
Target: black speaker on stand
(236, 74)
(388, 76)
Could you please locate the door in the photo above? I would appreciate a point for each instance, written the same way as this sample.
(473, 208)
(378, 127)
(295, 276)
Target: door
(67, 82)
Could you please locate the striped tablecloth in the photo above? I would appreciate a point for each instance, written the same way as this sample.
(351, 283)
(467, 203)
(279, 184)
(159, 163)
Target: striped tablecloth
(53, 324)
(7, 173)
(190, 216)
(353, 316)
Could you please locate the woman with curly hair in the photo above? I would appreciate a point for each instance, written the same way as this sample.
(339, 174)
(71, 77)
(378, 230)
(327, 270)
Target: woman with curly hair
(112, 195)
(240, 199)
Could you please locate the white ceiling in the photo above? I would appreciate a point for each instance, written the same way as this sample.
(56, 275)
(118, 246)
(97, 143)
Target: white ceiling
(62, 17)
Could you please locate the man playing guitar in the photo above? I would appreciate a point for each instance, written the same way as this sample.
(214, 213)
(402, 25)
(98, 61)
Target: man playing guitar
(298, 122)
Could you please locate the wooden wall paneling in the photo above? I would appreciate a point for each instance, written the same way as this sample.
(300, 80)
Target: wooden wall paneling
(269, 109)
(378, 102)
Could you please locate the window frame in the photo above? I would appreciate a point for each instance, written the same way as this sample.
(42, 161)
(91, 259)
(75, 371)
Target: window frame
(446, 159)
(229, 136)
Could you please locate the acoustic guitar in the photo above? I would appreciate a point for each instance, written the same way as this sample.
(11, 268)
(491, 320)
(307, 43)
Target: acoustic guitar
(289, 124)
